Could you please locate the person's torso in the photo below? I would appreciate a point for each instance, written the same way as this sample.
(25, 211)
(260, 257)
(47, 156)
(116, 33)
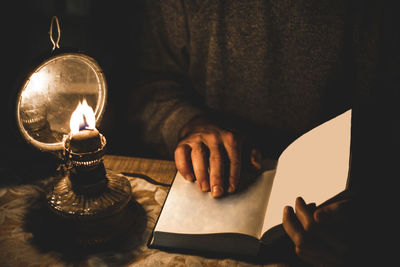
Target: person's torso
(279, 64)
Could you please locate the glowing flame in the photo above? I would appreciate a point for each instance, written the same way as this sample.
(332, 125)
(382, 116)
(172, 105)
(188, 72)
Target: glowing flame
(82, 118)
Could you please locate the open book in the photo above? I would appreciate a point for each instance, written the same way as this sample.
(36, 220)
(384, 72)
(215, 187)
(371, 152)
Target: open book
(315, 166)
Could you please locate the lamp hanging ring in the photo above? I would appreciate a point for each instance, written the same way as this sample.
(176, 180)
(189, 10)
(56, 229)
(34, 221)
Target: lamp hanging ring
(55, 43)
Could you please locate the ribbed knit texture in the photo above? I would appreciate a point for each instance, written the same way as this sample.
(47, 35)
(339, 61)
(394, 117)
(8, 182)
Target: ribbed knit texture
(281, 65)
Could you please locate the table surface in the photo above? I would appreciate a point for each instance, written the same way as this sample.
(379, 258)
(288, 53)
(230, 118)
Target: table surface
(150, 180)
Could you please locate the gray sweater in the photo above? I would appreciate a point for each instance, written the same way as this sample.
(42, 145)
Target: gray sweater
(280, 67)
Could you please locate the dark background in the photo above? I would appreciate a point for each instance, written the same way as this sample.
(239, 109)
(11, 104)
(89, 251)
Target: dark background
(108, 31)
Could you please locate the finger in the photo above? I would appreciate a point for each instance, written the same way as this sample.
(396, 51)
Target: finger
(216, 167)
(255, 158)
(200, 167)
(306, 217)
(292, 227)
(304, 214)
(305, 248)
(334, 225)
(233, 149)
(333, 213)
(183, 161)
(312, 206)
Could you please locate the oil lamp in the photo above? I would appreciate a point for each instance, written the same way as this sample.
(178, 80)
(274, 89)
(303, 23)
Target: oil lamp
(85, 193)
(58, 107)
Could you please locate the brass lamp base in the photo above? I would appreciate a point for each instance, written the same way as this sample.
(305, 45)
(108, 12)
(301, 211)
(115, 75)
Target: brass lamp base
(89, 200)
(95, 212)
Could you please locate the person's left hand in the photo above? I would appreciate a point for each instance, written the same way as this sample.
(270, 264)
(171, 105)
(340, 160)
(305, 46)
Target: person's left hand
(320, 235)
(214, 156)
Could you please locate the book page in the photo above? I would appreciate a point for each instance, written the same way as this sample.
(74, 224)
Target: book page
(187, 210)
(315, 167)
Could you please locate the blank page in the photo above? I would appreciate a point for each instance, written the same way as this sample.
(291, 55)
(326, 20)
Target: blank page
(187, 210)
(315, 167)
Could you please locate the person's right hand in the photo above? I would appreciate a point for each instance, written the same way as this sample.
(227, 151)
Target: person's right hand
(322, 235)
(206, 151)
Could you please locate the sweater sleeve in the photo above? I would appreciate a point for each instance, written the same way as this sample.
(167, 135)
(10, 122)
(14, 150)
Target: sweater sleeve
(162, 100)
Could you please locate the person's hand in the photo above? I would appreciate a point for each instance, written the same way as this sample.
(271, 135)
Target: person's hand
(212, 156)
(321, 235)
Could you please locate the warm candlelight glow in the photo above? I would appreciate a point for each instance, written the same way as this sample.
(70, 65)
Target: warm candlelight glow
(82, 118)
(37, 85)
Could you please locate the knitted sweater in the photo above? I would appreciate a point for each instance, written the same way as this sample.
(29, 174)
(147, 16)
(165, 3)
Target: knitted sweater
(281, 66)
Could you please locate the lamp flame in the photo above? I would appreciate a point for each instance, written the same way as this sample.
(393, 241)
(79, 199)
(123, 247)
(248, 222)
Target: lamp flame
(82, 118)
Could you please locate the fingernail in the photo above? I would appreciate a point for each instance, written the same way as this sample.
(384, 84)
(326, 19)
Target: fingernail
(204, 186)
(287, 210)
(217, 191)
(301, 200)
(189, 177)
(231, 189)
